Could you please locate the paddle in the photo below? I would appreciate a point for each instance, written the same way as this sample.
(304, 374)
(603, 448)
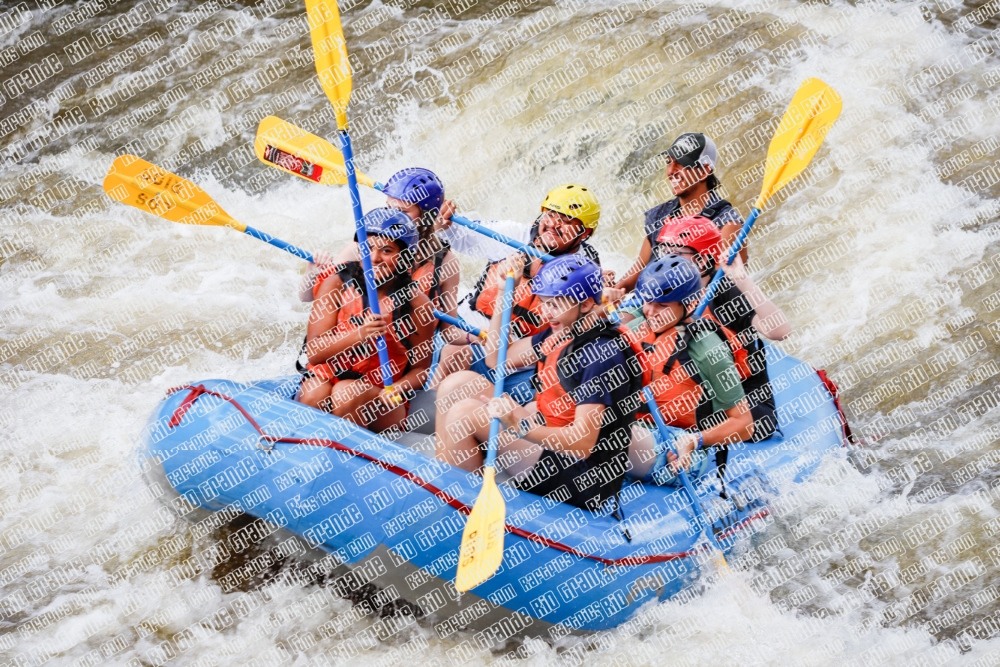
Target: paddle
(668, 439)
(813, 109)
(459, 323)
(287, 147)
(334, 70)
(482, 539)
(133, 181)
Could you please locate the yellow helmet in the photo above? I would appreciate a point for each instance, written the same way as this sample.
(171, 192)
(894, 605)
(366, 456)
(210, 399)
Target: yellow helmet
(575, 201)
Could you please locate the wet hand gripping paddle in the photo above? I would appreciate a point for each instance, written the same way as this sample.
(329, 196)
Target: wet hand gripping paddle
(290, 148)
(699, 510)
(481, 551)
(133, 181)
(812, 111)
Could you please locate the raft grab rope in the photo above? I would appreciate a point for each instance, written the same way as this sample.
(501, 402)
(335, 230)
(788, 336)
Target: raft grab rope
(196, 391)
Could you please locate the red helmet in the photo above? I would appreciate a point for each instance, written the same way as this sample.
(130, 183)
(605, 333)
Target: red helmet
(695, 232)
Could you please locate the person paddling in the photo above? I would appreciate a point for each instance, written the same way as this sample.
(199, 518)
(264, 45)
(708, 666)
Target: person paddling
(691, 171)
(418, 193)
(739, 305)
(341, 373)
(573, 439)
(568, 219)
(694, 377)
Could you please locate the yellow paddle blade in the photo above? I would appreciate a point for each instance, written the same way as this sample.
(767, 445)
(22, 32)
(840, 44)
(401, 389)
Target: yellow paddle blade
(720, 563)
(292, 149)
(330, 51)
(799, 135)
(289, 148)
(482, 540)
(133, 181)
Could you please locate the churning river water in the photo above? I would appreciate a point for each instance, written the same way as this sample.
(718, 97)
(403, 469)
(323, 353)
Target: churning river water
(884, 256)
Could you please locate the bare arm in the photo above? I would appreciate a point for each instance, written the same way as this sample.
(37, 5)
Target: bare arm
(729, 232)
(576, 439)
(323, 340)
(627, 282)
(450, 277)
(769, 320)
(348, 254)
(738, 426)
(320, 259)
(520, 353)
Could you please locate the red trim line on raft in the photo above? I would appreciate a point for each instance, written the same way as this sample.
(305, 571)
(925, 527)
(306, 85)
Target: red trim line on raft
(835, 395)
(198, 390)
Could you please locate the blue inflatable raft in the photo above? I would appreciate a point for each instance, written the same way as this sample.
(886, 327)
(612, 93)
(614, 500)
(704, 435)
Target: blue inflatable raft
(390, 511)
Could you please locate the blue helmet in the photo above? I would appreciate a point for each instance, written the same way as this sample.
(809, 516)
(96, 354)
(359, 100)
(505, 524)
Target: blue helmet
(670, 279)
(416, 186)
(391, 224)
(569, 275)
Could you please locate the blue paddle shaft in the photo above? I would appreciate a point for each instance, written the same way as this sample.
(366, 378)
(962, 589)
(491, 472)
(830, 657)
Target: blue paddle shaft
(278, 243)
(631, 302)
(366, 260)
(456, 322)
(733, 251)
(706, 298)
(501, 370)
(647, 395)
(496, 236)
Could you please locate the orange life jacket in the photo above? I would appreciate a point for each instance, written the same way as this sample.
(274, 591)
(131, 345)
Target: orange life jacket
(608, 462)
(362, 360)
(681, 393)
(427, 276)
(554, 402)
(526, 313)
